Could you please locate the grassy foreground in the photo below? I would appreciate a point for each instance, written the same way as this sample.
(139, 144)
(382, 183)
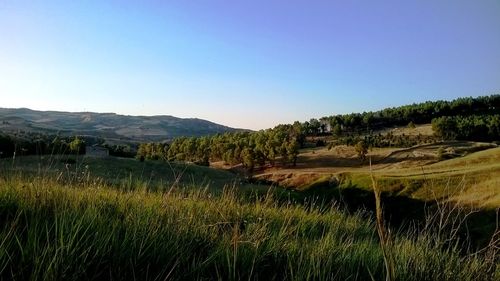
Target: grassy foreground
(52, 230)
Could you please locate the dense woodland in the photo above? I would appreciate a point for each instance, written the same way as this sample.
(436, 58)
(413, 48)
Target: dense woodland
(474, 127)
(421, 113)
(250, 149)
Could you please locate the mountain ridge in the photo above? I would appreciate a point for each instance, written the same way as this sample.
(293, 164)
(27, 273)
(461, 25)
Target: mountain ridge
(108, 125)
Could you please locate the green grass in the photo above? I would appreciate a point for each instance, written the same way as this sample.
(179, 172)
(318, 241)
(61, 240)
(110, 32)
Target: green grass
(56, 228)
(120, 172)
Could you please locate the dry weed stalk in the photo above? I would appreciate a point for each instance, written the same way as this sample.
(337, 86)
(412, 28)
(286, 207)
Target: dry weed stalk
(383, 233)
(492, 250)
(450, 216)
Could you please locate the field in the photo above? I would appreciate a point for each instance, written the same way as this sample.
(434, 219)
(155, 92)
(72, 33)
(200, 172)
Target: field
(472, 176)
(122, 172)
(121, 219)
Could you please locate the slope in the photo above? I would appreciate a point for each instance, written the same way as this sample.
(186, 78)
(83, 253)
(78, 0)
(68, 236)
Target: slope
(106, 125)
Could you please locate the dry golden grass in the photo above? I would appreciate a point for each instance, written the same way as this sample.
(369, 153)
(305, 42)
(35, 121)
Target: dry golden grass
(485, 194)
(424, 130)
(415, 172)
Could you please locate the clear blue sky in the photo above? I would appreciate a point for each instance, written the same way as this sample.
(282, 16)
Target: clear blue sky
(250, 64)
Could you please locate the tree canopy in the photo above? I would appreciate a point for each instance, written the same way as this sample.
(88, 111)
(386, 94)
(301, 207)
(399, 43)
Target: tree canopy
(247, 148)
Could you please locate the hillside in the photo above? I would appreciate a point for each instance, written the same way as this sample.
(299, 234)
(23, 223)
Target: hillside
(116, 171)
(470, 177)
(106, 125)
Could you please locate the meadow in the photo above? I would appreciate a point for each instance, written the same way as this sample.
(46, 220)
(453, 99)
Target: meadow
(468, 173)
(88, 221)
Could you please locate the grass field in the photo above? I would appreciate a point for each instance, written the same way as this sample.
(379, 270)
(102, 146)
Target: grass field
(473, 177)
(121, 219)
(55, 231)
(121, 172)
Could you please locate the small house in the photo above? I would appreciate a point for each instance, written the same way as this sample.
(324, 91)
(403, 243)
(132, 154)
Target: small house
(96, 151)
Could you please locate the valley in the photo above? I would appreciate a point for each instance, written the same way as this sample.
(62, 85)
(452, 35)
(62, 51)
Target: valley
(295, 202)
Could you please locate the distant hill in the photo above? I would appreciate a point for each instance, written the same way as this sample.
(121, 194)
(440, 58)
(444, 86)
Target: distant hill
(110, 126)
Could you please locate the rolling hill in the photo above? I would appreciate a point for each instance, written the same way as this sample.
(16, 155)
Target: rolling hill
(471, 177)
(110, 126)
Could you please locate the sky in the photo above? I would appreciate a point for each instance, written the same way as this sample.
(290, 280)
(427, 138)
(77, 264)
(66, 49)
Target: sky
(247, 64)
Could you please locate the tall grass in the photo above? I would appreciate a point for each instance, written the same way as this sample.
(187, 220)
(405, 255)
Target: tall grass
(56, 230)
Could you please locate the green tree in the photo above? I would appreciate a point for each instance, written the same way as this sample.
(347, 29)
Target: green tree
(314, 126)
(337, 130)
(248, 159)
(292, 149)
(361, 149)
(77, 145)
(445, 127)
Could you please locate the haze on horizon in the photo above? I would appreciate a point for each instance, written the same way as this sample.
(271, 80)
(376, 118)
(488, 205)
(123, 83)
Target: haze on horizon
(247, 64)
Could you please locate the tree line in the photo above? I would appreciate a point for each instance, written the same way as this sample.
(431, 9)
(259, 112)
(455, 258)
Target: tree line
(383, 140)
(40, 145)
(268, 147)
(25, 143)
(418, 113)
(474, 127)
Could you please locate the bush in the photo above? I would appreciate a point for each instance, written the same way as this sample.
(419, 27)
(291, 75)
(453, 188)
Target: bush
(320, 143)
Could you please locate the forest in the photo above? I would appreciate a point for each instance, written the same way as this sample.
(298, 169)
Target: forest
(248, 148)
(473, 127)
(421, 113)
